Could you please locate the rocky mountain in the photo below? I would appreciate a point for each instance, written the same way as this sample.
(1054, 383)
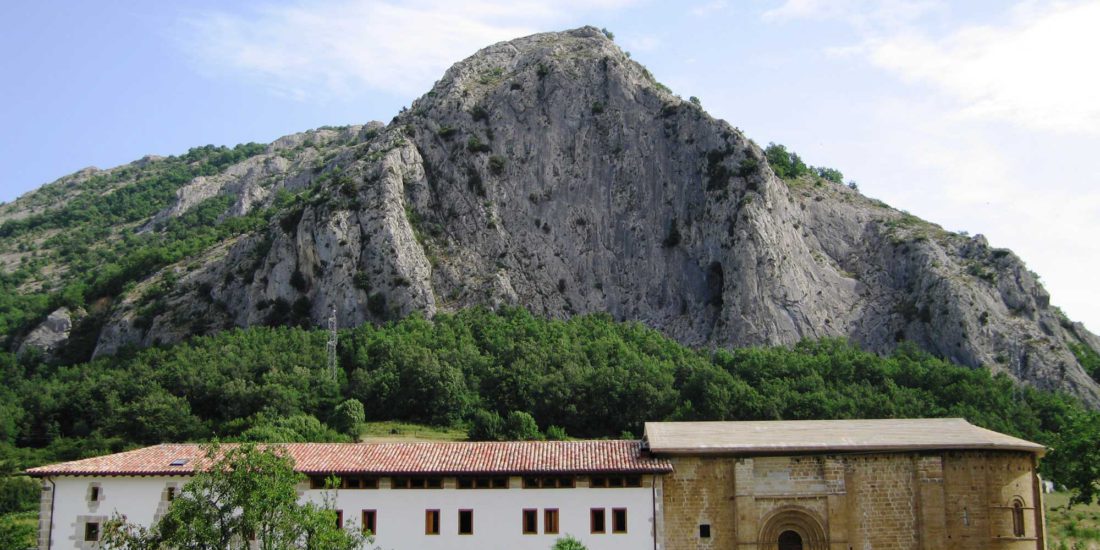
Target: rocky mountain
(551, 172)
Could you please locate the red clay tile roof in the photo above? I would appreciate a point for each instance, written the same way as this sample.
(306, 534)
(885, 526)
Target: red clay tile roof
(511, 457)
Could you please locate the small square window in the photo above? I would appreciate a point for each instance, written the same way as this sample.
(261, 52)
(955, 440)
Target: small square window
(704, 530)
(599, 525)
(170, 494)
(465, 522)
(530, 522)
(93, 494)
(618, 520)
(431, 522)
(91, 531)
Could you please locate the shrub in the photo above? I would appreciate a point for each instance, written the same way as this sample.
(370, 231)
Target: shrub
(479, 113)
(348, 417)
(748, 167)
(521, 426)
(496, 164)
(568, 543)
(475, 145)
(597, 107)
(447, 132)
(485, 426)
(556, 433)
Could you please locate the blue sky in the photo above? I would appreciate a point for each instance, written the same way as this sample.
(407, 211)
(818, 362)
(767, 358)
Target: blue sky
(980, 116)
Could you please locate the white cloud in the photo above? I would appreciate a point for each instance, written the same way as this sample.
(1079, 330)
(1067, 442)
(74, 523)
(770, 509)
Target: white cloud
(859, 13)
(708, 8)
(1036, 72)
(340, 47)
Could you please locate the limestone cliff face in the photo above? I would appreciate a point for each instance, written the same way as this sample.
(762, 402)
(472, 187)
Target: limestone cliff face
(555, 173)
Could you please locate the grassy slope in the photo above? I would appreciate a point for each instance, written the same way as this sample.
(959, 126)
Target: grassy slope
(1071, 528)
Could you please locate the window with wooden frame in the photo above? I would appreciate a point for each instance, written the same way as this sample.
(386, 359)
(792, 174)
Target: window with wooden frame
(93, 493)
(618, 520)
(416, 482)
(431, 522)
(91, 531)
(530, 521)
(358, 482)
(370, 522)
(170, 494)
(614, 482)
(550, 521)
(597, 520)
(549, 482)
(465, 522)
(339, 519)
(1018, 518)
(466, 482)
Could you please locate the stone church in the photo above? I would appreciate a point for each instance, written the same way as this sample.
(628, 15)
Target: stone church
(925, 484)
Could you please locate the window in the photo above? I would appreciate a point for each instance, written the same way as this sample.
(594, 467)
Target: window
(370, 522)
(530, 522)
(603, 482)
(598, 524)
(431, 522)
(618, 520)
(417, 483)
(465, 522)
(550, 521)
(549, 482)
(339, 519)
(482, 483)
(91, 531)
(170, 494)
(318, 482)
(93, 493)
(1018, 518)
(704, 530)
(358, 482)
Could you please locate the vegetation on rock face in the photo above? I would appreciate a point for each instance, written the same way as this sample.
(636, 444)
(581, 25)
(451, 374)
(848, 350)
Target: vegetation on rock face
(788, 165)
(88, 248)
(507, 375)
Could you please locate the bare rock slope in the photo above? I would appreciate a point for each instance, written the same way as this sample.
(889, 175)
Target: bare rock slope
(555, 173)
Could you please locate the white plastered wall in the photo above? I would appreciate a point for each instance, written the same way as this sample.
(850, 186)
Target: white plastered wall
(497, 513)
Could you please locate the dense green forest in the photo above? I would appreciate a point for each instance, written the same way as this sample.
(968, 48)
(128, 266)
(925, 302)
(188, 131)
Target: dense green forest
(589, 376)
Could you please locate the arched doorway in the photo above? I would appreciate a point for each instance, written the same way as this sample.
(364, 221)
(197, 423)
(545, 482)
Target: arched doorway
(790, 540)
(792, 528)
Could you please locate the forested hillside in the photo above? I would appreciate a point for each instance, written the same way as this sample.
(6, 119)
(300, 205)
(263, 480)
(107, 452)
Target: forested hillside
(591, 376)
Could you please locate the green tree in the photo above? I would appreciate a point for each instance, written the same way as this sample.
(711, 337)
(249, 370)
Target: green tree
(1076, 457)
(15, 534)
(485, 426)
(349, 417)
(521, 426)
(568, 543)
(247, 491)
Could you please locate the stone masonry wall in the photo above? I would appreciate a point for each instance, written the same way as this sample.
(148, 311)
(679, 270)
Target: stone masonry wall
(699, 493)
(898, 501)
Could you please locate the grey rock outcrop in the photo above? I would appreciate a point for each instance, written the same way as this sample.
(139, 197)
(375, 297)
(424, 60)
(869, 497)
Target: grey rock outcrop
(555, 173)
(51, 333)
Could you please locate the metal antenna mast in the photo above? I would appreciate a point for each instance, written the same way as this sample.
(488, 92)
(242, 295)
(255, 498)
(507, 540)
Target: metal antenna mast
(331, 346)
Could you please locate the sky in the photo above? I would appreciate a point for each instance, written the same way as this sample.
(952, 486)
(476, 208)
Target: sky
(981, 116)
